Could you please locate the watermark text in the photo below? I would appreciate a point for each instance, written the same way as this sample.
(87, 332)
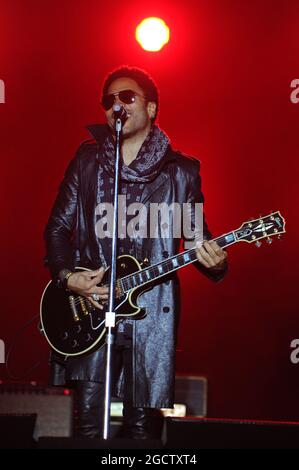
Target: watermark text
(2, 92)
(158, 220)
(294, 356)
(2, 352)
(294, 96)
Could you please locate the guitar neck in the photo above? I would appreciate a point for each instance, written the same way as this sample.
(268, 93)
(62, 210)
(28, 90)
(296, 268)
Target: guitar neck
(169, 265)
(250, 232)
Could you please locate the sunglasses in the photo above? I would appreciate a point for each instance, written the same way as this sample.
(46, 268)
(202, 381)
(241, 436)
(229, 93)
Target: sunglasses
(126, 96)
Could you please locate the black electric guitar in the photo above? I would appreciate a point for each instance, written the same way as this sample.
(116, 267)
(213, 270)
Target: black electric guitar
(73, 326)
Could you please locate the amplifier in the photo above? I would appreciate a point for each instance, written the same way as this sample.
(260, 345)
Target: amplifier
(190, 398)
(191, 390)
(52, 406)
(213, 433)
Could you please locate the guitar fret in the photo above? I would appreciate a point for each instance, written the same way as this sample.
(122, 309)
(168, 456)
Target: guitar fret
(170, 265)
(157, 271)
(166, 267)
(125, 284)
(226, 239)
(181, 260)
(148, 274)
(121, 285)
(135, 280)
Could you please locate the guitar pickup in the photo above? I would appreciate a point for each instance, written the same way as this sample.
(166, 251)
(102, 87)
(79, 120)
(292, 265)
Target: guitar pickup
(74, 308)
(83, 306)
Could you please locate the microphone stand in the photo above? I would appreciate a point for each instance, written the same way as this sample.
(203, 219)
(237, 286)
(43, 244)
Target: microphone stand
(110, 314)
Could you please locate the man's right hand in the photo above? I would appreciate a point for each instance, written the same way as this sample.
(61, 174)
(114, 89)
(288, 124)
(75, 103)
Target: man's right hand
(85, 283)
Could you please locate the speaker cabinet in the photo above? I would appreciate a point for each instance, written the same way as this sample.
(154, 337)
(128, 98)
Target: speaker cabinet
(191, 390)
(52, 406)
(195, 433)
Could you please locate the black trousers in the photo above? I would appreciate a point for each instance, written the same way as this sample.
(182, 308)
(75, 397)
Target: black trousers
(139, 423)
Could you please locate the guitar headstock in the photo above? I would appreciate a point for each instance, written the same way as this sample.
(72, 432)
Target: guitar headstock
(263, 227)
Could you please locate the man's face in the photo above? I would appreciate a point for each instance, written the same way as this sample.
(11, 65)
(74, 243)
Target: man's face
(139, 113)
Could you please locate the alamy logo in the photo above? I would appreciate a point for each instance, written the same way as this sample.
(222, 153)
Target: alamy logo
(156, 221)
(294, 96)
(2, 92)
(2, 352)
(294, 356)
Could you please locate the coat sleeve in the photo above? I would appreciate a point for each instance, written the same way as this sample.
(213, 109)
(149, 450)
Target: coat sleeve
(60, 228)
(199, 225)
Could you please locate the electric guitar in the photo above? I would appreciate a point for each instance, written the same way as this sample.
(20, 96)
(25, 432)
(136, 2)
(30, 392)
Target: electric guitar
(73, 326)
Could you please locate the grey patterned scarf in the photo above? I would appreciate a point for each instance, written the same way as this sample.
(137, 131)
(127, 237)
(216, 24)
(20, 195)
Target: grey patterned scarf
(148, 163)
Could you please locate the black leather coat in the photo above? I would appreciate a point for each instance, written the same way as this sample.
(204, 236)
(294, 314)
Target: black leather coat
(71, 240)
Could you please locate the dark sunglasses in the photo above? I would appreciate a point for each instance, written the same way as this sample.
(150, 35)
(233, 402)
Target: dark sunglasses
(126, 96)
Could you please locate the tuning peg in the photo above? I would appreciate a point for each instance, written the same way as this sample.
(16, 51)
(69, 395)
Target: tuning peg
(269, 240)
(258, 244)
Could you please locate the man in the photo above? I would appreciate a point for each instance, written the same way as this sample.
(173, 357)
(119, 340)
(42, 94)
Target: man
(151, 172)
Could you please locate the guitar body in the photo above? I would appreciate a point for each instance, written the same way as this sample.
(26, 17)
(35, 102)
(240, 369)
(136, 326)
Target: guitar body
(73, 326)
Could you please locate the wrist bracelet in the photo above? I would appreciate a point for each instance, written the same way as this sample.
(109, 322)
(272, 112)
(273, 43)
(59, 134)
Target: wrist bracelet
(65, 279)
(64, 276)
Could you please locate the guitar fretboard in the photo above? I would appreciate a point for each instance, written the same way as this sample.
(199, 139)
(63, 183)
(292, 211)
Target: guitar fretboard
(169, 265)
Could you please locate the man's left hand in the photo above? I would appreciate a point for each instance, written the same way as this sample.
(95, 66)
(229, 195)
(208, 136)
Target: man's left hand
(211, 255)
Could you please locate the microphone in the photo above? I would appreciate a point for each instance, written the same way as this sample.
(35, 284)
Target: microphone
(119, 112)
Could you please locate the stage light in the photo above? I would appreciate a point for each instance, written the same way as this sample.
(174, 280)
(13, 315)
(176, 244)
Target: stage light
(152, 34)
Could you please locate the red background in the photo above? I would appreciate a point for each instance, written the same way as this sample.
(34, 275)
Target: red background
(225, 91)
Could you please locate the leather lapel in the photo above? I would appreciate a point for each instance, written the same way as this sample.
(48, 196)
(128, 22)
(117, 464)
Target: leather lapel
(150, 188)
